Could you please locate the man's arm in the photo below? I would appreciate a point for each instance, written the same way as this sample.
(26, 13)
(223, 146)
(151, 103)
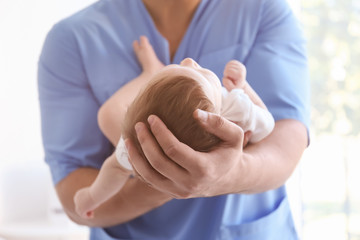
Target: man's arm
(126, 205)
(272, 161)
(182, 172)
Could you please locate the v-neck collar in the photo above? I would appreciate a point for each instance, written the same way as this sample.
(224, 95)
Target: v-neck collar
(178, 54)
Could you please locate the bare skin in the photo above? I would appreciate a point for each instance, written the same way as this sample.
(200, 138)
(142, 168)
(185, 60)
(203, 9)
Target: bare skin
(260, 167)
(112, 175)
(122, 205)
(235, 77)
(127, 204)
(178, 170)
(256, 168)
(172, 18)
(113, 110)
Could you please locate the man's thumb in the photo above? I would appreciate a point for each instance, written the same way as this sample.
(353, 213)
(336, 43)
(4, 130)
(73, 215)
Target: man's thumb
(219, 126)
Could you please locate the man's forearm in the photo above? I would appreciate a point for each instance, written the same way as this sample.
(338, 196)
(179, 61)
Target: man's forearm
(268, 164)
(135, 199)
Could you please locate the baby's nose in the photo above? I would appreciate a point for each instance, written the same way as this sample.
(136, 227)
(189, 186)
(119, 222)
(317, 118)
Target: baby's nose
(189, 62)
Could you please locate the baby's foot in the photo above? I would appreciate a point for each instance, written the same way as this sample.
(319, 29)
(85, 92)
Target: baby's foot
(147, 56)
(234, 75)
(84, 204)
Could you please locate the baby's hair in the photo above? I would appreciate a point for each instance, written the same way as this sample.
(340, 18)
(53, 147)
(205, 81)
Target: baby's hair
(173, 99)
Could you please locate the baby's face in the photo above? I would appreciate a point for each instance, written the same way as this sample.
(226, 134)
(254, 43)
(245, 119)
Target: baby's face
(206, 78)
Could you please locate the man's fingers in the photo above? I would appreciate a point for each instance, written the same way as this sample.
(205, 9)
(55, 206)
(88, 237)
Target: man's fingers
(226, 130)
(137, 160)
(146, 173)
(157, 164)
(171, 146)
(142, 166)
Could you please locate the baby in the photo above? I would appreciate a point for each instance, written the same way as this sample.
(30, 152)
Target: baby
(172, 93)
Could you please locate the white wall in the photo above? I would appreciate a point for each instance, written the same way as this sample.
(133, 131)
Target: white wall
(23, 27)
(26, 195)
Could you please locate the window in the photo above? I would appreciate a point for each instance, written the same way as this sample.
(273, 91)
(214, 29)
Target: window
(331, 165)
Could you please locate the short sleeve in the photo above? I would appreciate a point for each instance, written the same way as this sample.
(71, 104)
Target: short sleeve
(71, 136)
(277, 63)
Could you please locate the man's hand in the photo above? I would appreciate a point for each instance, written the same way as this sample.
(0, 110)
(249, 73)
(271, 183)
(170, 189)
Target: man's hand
(182, 172)
(174, 168)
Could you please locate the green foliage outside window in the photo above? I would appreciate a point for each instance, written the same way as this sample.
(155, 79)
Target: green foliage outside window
(333, 32)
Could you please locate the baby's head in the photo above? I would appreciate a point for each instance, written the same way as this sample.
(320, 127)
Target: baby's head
(173, 95)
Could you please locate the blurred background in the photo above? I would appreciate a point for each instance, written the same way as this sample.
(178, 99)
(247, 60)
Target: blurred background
(324, 191)
(330, 170)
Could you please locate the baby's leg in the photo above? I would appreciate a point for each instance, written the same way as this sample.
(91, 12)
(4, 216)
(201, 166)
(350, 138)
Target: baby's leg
(111, 178)
(235, 77)
(146, 56)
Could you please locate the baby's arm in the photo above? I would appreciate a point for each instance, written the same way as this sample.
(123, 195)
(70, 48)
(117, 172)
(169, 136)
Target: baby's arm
(112, 175)
(258, 122)
(235, 77)
(111, 113)
(110, 180)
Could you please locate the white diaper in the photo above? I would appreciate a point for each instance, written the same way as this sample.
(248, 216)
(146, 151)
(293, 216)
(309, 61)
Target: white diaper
(122, 154)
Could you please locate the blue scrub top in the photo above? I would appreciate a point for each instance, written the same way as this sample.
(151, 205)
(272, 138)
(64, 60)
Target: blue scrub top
(88, 56)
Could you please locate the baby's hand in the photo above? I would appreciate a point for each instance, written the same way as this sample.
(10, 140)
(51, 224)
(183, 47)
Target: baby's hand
(84, 204)
(234, 75)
